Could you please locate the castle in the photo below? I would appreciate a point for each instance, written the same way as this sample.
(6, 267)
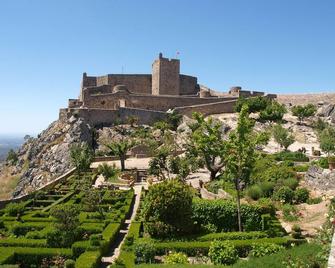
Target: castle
(103, 100)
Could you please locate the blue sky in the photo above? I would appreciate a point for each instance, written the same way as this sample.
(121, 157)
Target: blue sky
(281, 46)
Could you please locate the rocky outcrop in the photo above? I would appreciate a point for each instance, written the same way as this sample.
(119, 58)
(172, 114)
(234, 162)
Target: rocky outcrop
(46, 157)
(320, 179)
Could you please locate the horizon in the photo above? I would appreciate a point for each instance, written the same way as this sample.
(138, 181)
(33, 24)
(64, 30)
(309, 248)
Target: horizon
(273, 47)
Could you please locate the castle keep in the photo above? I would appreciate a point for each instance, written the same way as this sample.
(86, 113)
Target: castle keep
(105, 99)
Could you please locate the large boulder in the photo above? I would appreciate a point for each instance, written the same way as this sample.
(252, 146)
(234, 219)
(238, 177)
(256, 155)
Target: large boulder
(320, 179)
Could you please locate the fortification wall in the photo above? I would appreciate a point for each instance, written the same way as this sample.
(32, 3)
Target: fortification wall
(188, 85)
(136, 83)
(208, 109)
(105, 117)
(148, 102)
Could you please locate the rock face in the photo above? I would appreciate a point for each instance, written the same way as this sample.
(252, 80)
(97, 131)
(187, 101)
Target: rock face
(46, 157)
(321, 179)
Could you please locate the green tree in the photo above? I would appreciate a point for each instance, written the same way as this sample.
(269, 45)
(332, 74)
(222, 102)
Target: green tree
(158, 165)
(282, 136)
(327, 140)
(92, 201)
(81, 157)
(206, 142)
(303, 111)
(173, 119)
(120, 149)
(162, 126)
(168, 209)
(12, 157)
(240, 154)
(255, 104)
(273, 112)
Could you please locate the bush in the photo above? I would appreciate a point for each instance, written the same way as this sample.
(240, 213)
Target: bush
(296, 231)
(223, 214)
(266, 188)
(292, 183)
(301, 168)
(291, 156)
(176, 258)
(289, 212)
(109, 172)
(322, 162)
(301, 195)
(12, 157)
(284, 194)
(89, 259)
(262, 249)
(302, 111)
(14, 209)
(256, 104)
(168, 209)
(254, 192)
(222, 252)
(145, 252)
(273, 112)
(282, 136)
(69, 263)
(232, 236)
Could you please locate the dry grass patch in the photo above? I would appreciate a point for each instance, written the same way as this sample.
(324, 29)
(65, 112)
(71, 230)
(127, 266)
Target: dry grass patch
(7, 182)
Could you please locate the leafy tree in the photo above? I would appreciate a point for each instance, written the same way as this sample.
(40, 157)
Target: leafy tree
(12, 157)
(81, 157)
(206, 142)
(327, 140)
(158, 165)
(273, 112)
(168, 209)
(240, 154)
(256, 104)
(282, 136)
(174, 119)
(120, 149)
(303, 111)
(66, 226)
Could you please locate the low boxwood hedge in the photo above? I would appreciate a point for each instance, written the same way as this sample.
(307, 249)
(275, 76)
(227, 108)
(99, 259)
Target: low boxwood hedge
(23, 242)
(233, 236)
(89, 259)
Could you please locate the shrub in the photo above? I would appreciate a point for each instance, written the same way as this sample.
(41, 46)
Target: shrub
(145, 252)
(266, 206)
(301, 195)
(289, 212)
(284, 194)
(14, 209)
(292, 183)
(222, 252)
(176, 258)
(301, 168)
(223, 214)
(273, 112)
(255, 104)
(282, 136)
(254, 192)
(95, 240)
(232, 236)
(262, 249)
(327, 140)
(168, 209)
(291, 156)
(302, 111)
(266, 188)
(296, 232)
(315, 200)
(109, 172)
(322, 162)
(69, 263)
(12, 157)
(89, 259)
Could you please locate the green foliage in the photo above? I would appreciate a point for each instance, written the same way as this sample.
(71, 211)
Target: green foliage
(289, 212)
(109, 172)
(254, 192)
(256, 104)
(301, 195)
(273, 112)
(296, 231)
(89, 259)
(206, 143)
(81, 156)
(14, 209)
(223, 214)
(162, 126)
(12, 157)
(175, 258)
(303, 111)
(282, 136)
(69, 263)
(120, 149)
(327, 140)
(168, 209)
(232, 236)
(174, 119)
(267, 188)
(222, 252)
(319, 125)
(301, 168)
(292, 183)
(291, 156)
(284, 194)
(262, 249)
(145, 252)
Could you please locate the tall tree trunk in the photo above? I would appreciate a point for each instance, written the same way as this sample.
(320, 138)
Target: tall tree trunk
(238, 205)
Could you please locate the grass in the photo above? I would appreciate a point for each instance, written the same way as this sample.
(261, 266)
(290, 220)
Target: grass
(7, 183)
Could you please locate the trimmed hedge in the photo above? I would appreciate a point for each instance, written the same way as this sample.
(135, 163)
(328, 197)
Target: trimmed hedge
(223, 215)
(23, 242)
(89, 259)
(232, 236)
(31, 256)
(242, 246)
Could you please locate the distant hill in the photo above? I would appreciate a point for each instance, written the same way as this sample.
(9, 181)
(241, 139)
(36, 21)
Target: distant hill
(7, 143)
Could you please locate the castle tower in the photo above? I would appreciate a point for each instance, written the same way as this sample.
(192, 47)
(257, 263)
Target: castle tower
(165, 76)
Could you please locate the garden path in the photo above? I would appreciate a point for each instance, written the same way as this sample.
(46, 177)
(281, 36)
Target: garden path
(116, 248)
